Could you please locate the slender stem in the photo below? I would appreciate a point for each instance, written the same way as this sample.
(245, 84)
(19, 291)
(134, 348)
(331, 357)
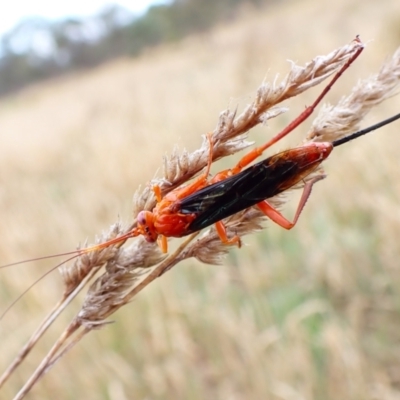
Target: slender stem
(40, 331)
(28, 346)
(68, 347)
(165, 266)
(44, 365)
(55, 354)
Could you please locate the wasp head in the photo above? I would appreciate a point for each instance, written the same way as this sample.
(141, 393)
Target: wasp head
(145, 221)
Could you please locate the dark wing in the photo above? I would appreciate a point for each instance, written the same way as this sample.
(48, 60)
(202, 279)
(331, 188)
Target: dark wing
(249, 187)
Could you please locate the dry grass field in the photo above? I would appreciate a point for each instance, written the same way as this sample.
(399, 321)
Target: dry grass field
(313, 313)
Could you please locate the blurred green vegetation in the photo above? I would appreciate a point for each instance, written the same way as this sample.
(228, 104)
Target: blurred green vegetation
(38, 49)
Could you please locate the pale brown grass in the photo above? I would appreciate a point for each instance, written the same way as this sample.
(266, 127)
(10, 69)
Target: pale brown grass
(318, 320)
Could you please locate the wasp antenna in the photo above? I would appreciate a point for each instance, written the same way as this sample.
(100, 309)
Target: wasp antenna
(132, 233)
(362, 132)
(75, 252)
(37, 280)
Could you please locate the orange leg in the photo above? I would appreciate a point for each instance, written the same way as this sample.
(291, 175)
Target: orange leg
(197, 184)
(157, 192)
(202, 180)
(278, 218)
(250, 157)
(162, 243)
(221, 230)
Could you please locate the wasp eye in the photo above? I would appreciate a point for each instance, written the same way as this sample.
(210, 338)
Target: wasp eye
(141, 218)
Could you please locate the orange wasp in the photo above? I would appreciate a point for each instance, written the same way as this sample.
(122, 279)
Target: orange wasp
(184, 210)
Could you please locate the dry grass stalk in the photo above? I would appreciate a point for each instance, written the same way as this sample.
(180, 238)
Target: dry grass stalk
(334, 122)
(127, 268)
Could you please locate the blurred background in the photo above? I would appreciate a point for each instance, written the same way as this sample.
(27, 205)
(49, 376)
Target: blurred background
(90, 103)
